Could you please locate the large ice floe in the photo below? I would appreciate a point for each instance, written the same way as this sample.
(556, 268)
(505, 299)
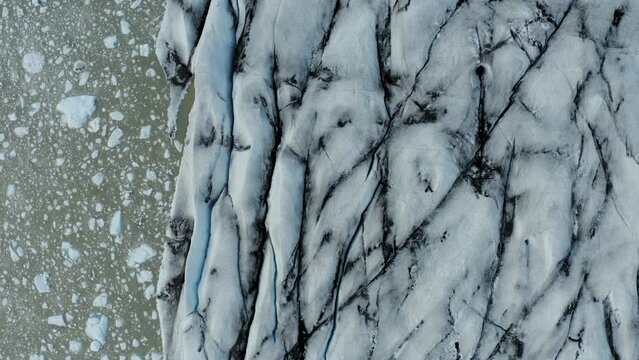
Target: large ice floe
(434, 179)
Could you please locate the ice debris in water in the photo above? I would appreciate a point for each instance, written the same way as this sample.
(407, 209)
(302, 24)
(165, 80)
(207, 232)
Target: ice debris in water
(76, 110)
(33, 62)
(57, 320)
(101, 300)
(71, 255)
(140, 255)
(42, 282)
(110, 41)
(145, 132)
(116, 115)
(115, 138)
(98, 179)
(115, 228)
(96, 329)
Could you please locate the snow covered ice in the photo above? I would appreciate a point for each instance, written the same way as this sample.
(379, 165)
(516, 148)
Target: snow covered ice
(401, 180)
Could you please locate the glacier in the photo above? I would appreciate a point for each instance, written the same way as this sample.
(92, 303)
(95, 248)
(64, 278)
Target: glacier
(402, 179)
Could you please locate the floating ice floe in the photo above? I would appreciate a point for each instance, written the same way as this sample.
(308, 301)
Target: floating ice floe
(71, 255)
(21, 131)
(145, 132)
(110, 41)
(15, 251)
(115, 138)
(79, 66)
(115, 228)
(96, 329)
(75, 346)
(33, 62)
(125, 27)
(41, 282)
(98, 179)
(144, 276)
(76, 110)
(57, 320)
(116, 115)
(101, 300)
(140, 255)
(144, 50)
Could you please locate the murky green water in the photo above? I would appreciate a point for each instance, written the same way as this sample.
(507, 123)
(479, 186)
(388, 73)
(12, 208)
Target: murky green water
(60, 186)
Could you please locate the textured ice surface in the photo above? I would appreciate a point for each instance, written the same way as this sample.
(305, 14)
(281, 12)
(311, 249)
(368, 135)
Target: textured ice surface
(403, 180)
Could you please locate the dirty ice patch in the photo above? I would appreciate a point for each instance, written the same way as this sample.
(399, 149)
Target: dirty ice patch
(33, 62)
(76, 110)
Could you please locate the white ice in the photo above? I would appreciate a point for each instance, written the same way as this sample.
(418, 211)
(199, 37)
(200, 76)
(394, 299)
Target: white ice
(76, 110)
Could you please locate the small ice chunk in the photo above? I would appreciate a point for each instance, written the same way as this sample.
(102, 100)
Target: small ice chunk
(79, 66)
(76, 110)
(115, 138)
(116, 115)
(115, 228)
(125, 27)
(140, 255)
(56, 320)
(96, 330)
(144, 50)
(75, 346)
(15, 251)
(35, 107)
(101, 300)
(11, 190)
(144, 276)
(21, 131)
(71, 254)
(150, 175)
(94, 125)
(110, 41)
(149, 292)
(98, 179)
(42, 282)
(84, 77)
(67, 86)
(33, 62)
(145, 132)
